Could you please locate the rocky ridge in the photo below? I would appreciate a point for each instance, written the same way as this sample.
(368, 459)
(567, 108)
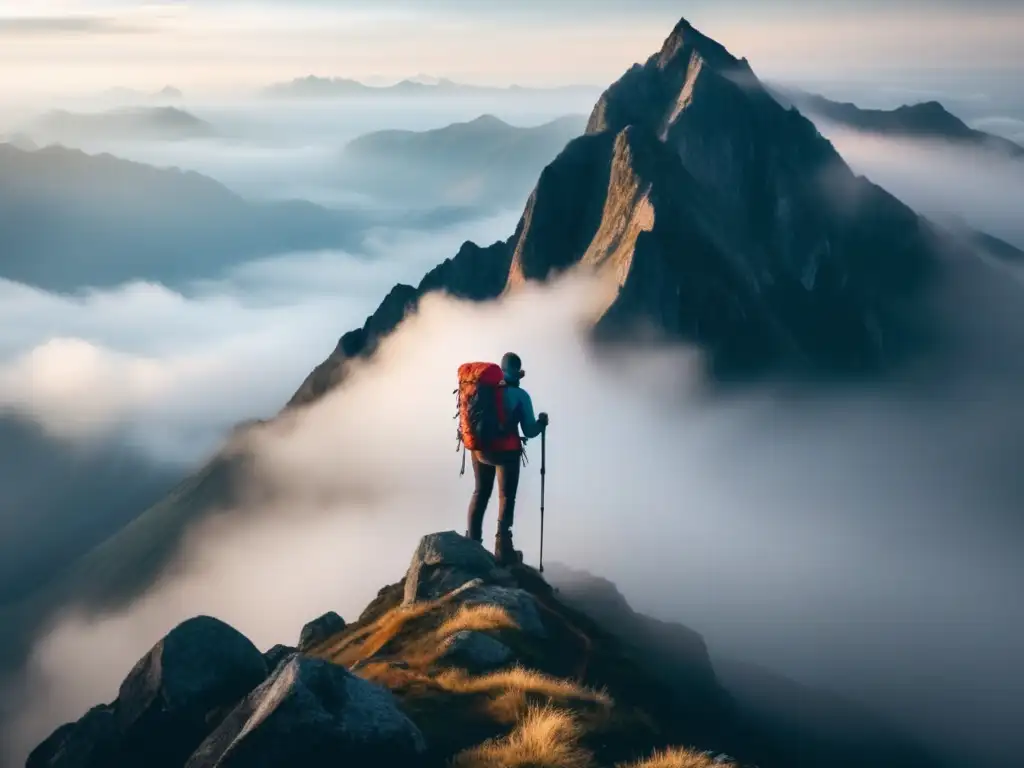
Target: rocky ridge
(462, 663)
(453, 665)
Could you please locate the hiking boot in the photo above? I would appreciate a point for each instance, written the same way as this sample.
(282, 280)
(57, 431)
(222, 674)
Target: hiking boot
(505, 553)
(478, 539)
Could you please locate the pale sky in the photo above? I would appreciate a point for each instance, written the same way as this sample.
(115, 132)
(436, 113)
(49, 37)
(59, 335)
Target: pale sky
(83, 45)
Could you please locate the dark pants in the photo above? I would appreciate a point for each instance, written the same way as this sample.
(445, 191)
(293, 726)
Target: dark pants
(505, 465)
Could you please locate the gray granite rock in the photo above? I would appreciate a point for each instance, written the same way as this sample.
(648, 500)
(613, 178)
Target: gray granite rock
(475, 651)
(319, 630)
(444, 562)
(313, 714)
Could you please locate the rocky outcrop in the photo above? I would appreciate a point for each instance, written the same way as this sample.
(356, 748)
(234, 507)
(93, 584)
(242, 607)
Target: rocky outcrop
(312, 713)
(475, 651)
(717, 216)
(278, 654)
(448, 566)
(318, 630)
(85, 744)
(168, 703)
(445, 562)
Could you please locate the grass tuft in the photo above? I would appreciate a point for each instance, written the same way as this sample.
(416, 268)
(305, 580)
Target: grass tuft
(520, 679)
(676, 758)
(546, 738)
(477, 618)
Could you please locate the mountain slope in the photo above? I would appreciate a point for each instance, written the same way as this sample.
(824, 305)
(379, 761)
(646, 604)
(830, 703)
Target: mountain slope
(127, 123)
(719, 217)
(925, 120)
(68, 220)
(482, 162)
(47, 484)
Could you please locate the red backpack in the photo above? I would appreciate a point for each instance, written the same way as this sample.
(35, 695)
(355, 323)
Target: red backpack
(483, 423)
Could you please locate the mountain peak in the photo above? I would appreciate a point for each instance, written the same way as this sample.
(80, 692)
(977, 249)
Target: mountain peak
(686, 40)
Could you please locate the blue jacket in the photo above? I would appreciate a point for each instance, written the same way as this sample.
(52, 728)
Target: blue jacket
(519, 404)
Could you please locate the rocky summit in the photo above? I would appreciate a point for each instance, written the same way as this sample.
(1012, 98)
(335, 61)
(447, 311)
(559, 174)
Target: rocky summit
(461, 663)
(717, 216)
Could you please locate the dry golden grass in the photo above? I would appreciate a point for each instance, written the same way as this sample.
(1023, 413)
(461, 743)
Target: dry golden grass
(520, 679)
(477, 618)
(676, 758)
(546, 738)
(368, 642)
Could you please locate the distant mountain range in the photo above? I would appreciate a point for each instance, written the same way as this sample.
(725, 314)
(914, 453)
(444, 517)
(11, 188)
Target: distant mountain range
(167, 93)
(68, 220)
(313, 87)
(484, 162)
(926, 120)
(126, 123)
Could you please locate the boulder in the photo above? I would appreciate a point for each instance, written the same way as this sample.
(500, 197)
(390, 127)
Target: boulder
(520, 604)
(313, 714)
(277, 654)
(173, 697)
(178, 691)
(85, 744)
(320, 629)
(443, 562)
(475, 651)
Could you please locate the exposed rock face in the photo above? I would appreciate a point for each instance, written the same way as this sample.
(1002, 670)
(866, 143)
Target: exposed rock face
(318, 630)
(717, 216)
(312, 713)
(476, 651)
(168, 703)
(164, 705)
(84, 744)
(827, 254)
(277, 654)
(444, 562)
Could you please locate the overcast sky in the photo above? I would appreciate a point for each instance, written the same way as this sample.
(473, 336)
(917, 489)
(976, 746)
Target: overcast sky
(60, 45)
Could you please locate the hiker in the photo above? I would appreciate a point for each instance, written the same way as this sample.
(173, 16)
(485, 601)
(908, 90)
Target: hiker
(496, 455)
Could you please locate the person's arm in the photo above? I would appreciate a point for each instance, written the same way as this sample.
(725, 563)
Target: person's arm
(531, 426)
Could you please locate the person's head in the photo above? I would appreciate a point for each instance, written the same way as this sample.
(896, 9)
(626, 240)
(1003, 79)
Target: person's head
(512, 367)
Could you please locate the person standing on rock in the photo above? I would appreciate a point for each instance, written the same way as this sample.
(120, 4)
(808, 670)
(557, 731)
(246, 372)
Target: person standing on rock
(492, 436)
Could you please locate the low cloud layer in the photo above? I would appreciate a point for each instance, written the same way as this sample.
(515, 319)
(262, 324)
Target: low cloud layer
(982, 188)
(174, 371)
(864, 542)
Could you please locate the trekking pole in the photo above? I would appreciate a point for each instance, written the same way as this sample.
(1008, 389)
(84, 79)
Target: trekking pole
(543, 472)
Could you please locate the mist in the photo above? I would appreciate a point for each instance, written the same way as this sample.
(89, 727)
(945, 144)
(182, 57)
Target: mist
(109, 397)
(863, 541)
(981, 188)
